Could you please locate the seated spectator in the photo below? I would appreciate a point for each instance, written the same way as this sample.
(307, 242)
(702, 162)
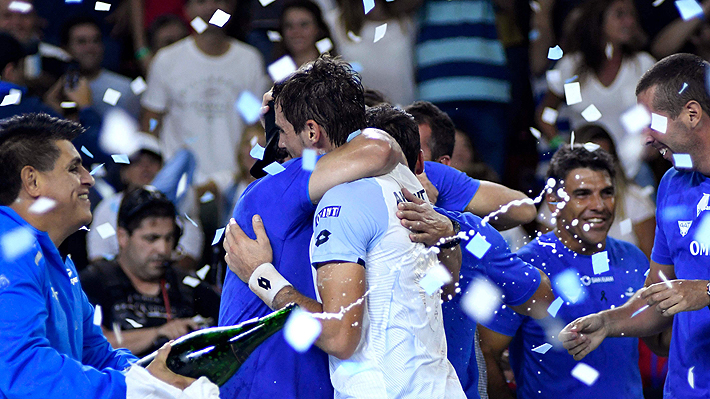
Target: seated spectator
(81, 38)
(143, 167)
(301, 25)
(145, 301)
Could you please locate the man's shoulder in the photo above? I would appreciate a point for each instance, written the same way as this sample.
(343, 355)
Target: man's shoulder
(242, 48)
(108, 77)
(623, 248)
(278, 183)
(103, 273)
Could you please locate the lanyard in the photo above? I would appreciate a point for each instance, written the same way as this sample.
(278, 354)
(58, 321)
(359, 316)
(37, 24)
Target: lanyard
(166, 299)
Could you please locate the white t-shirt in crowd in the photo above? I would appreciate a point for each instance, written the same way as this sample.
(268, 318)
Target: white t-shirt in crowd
(197, 94)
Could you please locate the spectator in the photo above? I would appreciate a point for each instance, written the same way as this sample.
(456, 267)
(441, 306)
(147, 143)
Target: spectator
(354, 36)
(81, 38)
(691, 36)
(166, 30)
(140, 291)
(301, 25)
(193, 85)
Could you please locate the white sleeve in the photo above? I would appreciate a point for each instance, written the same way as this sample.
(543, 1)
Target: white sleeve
(638, 207)
(155, 97)
(140, 384)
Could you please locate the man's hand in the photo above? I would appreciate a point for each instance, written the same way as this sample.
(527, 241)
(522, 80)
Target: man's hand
(80, 94)
(583, 335)
(177, 328)
(268, 96)
(244, 255)
(681, 296)
(431, 191)
(160, 370)
(428, 226)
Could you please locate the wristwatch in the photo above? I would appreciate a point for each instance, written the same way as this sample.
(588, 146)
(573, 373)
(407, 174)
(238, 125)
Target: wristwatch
(456, 240)
(707, 291)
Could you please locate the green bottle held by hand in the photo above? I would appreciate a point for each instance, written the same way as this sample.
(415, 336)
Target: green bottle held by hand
(218, 352)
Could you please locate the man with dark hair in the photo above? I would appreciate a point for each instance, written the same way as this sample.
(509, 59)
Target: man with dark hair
(140, 293)
(582, 201)
(49, 345)
(437, 147)
(81, 38)
(398, 124)
(320, 93)
(677, 287)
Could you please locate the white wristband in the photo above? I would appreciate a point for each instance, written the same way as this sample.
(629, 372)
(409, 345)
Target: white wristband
(266, 282)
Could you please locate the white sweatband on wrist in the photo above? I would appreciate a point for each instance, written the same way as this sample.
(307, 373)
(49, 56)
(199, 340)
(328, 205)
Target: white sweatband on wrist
(266, 282)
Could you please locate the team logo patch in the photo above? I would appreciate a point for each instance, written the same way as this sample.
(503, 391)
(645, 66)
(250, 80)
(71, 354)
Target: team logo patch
(322, 237)
(703, 204)
(684, 226)
(328, 212)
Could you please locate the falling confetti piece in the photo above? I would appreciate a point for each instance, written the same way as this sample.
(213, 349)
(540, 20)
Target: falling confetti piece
(199, 25)
(202, 273)
(87, 152)
(568, 285)
(641, 309)
(134, 323)
(153, 123)
(217, 235)
(96, 170)
(535, 132)
(591, 147)
(324, 45)
(478, 246)
(42, 205)
(626, 227)
(182, 186)
(657, 3)
(554, 77)
(554, 53)
(659, 123)
(308, 159)
(555, 306)
(585, 373)
(549, 115)
(191, 281)
(301, 330)
(138, 85)
(101, 6)
(120, 158)
(11, 99)
(572, 79)
(67, 104)
(265, 3)
(354, 37)
(257, 152)
(600, 262)
(542, 348)
(702, 233)
(119, 133)
(689, 9)
(591, 114)
(380, 32)
(19, 6)
(685, 85)
(573, 93)
(682, 161)
(369, 5)
(664, 279)
(97, 315)
(273, 168)
(275, 36)
(435, 278)
(106, 230)
(17, 242)
(353, 135)
(635, 119)
(206, 197)
(219, 18)
(117, 332)
(111, 96)
(190, 220)
(691, 377)
(282, 68)
(249, 107)
(481, 300)
(609, 50)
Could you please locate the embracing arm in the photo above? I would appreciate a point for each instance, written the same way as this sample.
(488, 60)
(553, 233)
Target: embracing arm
(536, 306)
(491, 197)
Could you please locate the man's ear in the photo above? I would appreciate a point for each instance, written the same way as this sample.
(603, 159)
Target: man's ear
(419, 167)
(445, 159)
(315, 134)
(123, 237)
(31, 181)
(695, 112)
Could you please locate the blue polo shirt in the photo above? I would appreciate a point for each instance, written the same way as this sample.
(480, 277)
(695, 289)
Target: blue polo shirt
(274, 369)
(549, 375)
(455, 188)
(682, 205)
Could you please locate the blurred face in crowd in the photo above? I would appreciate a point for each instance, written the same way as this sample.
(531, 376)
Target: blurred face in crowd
(300, 31)
(206, 8)
(462, 157)
(18, 24)
(141, 171)
(86, 47)
(168, 35)
(147, 251)
(586, 218)
(620, 24)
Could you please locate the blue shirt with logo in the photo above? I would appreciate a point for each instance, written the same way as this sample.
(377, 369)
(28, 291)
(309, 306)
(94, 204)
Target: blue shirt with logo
(682, 206)
(274, 369)
(455, 188)
(548, 375)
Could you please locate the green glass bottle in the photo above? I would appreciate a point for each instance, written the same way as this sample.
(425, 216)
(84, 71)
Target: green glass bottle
(218, 352)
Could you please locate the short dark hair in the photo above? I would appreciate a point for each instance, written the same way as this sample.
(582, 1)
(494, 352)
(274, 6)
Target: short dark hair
(73, 22)
(327, 91)
(30, 140)
(374, 97)
(401, 126)
(142, 203)
(159, 23)
(443, 131)
(11, 51)
(568, 158)
(678, 78)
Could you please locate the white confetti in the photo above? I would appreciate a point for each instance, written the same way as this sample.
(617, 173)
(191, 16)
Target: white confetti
(542, 348)
(190, 220)
(12, 98)
(609, 50)
(17, 242)
(101, 6)
(257, 152)
(549, 115)
(702, 233)
(324, 45)
(182, 186)
(301, 330)
(106, 230)
(641, 309)
(626, 227)
(568, 285)
(682, 161)
(134, 323)
(536, 133)
(219, 18)
(554, 53)
(682, 89)
(657, 3)
(481, 300)
(689, 9)
(275, 36)
(573, 93)
(96, 170)
(380, 32)
(600, 262)
(659, 123)
(218, 235)
(554, 77)
(199, 25)
(591, 114)
(478, 246)
(87, 152)
(273, 168)
(202, 273)
(191, 281)
(120, 158)
(591, 147)
(67, 104)
(265, 3)
(119, 133)
(138, 85)
(664, 279)
(691, 377)
(585, 373)
(308, 159)
(19, 6)
(111, 96)
(282, 68)
(206, 197)
(369, 5)
(97, 315)
(435, 278)
(42, 205)
(555, 306)
(354, 37)
(117, 333)
(635, 119)
(249, 107)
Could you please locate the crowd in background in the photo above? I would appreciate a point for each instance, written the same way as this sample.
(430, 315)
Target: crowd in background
(491, 65)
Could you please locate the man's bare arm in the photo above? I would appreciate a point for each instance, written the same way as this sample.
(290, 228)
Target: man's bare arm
(371, 153)
(536, 306)
(490, 197)
(493, 345)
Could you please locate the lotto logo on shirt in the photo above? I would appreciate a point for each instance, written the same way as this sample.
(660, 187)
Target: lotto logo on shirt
(328, 212)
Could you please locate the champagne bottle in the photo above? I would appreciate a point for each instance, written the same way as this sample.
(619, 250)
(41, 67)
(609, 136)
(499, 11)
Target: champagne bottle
(218, 352)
